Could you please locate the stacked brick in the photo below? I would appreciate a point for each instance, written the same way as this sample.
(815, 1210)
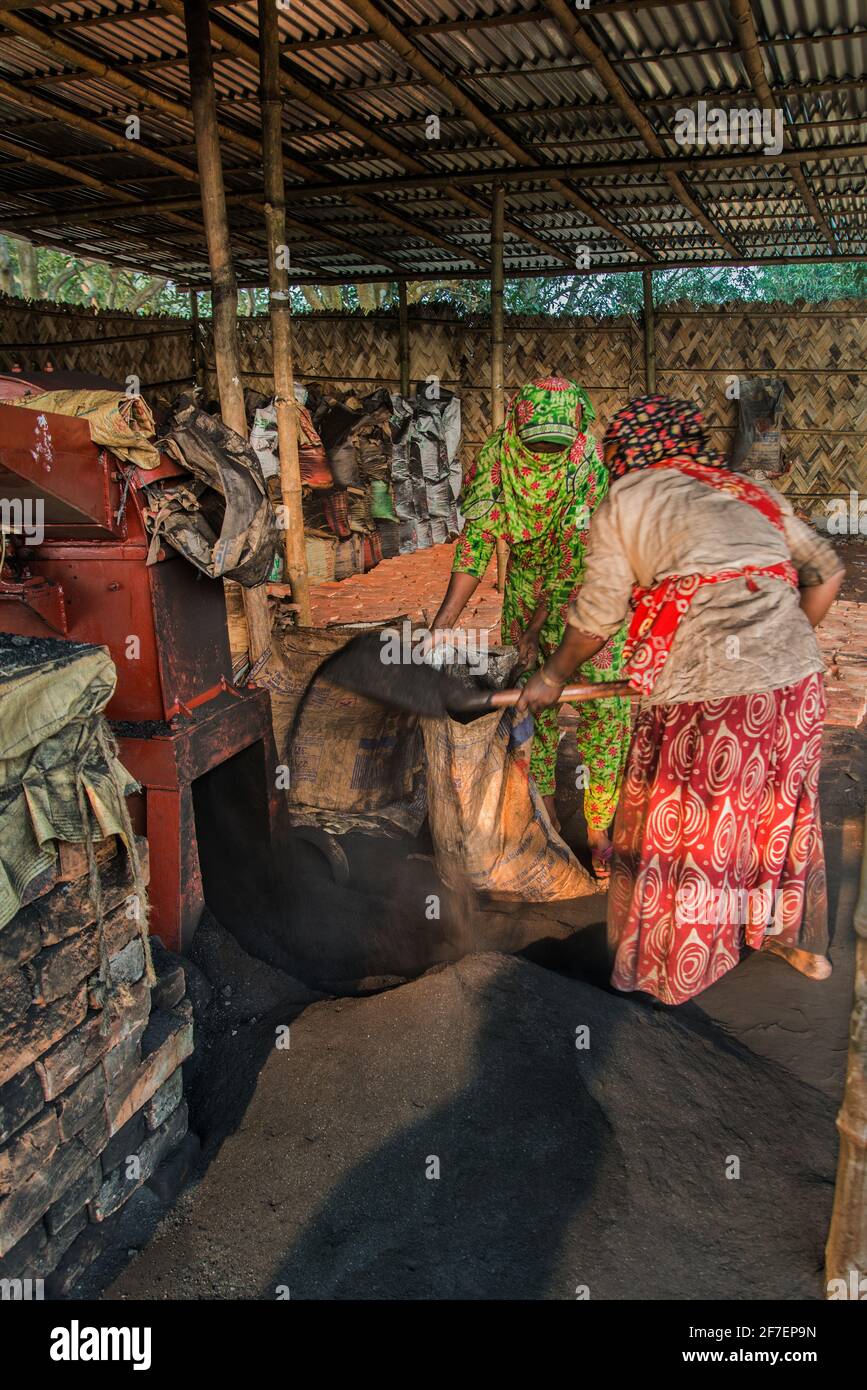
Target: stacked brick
(91, 1096)
(843, 642)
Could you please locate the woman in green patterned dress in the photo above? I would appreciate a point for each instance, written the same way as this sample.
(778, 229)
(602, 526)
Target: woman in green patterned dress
(536, 483)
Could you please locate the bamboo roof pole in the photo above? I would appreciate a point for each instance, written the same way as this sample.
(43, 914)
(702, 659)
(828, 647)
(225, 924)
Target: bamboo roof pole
(104, 212)
(198, 358)
(213, 196)
(31, 102)
(497, 335)
(597, 169)
(572, 26)
(751, 53)
(224, 289)
(70, 53)
(75, 176)
(846, 1250)
(401, 44)
(414, 228)
(649, 332)
(148, 66)
(295, 549)
(237, 44)
(423, 276)
(117, 142)
(147, 96)
(403, 338)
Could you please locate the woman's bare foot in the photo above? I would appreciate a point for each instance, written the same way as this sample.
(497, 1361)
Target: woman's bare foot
(601, 850)
(806, 962)
(551, 808)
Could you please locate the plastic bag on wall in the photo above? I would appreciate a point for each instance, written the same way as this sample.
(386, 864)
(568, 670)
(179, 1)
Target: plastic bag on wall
(759, 440)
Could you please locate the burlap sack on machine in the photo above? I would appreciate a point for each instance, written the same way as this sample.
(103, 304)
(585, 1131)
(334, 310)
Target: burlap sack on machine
(221, 520)
(353, 763)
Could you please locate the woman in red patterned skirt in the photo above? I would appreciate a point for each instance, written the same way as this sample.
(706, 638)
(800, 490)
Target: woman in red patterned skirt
(717, 841)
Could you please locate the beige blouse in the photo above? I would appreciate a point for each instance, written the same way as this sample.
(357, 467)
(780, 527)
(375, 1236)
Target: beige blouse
(661, 522)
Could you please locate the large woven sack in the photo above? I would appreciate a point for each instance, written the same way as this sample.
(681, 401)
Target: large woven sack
(349, 557)
(358, 508)
(321, 556)
(336, 510)
(372, 553)
(389, 538)
(353, 763)
(489, 825)
(312, 459)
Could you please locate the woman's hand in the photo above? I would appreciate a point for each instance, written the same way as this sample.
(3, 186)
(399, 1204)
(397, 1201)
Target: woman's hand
(528, 651)
(542, 690)
(816, 599)
(528, 642)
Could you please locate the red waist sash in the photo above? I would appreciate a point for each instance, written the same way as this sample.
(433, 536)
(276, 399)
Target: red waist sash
(659, 611)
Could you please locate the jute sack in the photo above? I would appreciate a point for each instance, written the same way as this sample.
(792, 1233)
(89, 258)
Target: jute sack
(353, 763)
(489, 825)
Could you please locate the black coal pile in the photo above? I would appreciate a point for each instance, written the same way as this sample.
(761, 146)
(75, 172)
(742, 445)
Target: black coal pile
(495, 1130)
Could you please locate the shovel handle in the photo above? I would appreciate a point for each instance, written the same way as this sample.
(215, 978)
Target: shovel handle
(602, 690)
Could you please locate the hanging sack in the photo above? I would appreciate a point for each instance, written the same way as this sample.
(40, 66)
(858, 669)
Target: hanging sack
(488, 823)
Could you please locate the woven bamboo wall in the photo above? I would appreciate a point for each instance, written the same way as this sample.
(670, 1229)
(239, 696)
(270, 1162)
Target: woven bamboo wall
(361, 353)
(819, 351)
(35, 336)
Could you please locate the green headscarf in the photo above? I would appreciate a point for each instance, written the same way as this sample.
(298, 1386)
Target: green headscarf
(517, 493)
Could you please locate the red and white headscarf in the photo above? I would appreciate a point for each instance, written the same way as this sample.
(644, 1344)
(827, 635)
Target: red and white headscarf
(653, 429)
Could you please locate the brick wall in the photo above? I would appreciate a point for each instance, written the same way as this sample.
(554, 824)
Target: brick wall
(91, 1097)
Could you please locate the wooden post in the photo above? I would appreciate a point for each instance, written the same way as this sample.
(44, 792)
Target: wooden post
(404, 338)
(224, 288)
(497, 404)
(198, 360)
(649, 333)
(295, 549)
(846, 1250)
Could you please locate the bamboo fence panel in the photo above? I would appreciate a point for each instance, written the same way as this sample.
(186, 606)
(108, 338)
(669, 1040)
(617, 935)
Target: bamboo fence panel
(819, 351)
(40, 337)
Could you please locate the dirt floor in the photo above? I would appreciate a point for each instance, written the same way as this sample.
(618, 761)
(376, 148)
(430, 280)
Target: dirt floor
(446, 1138)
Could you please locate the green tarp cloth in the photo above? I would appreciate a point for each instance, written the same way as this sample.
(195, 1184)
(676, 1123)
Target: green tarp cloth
(121, 423)
(56, 757)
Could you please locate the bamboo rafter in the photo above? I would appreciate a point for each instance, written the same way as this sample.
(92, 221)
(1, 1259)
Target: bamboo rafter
(358, 163)
(742, 17)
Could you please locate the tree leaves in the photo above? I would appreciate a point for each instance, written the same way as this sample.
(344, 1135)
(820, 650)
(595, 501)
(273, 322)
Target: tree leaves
(43, 273)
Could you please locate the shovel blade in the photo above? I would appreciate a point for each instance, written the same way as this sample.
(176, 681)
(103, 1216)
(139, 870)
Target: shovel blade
(363, 666)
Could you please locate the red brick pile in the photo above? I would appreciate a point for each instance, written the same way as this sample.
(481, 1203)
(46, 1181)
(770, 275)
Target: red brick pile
(843, 641)
(90, 1078)
(413, 585)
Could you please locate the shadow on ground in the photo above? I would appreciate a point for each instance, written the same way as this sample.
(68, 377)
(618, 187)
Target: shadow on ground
(558, 1166)
(448, 1139)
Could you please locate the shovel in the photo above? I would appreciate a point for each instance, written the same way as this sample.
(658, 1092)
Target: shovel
(422, 689)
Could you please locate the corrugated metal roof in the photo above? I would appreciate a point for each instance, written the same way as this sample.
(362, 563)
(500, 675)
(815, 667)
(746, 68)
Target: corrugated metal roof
(355, 113)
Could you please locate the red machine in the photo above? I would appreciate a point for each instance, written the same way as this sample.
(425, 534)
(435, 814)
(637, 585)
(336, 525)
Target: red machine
(75, 566)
